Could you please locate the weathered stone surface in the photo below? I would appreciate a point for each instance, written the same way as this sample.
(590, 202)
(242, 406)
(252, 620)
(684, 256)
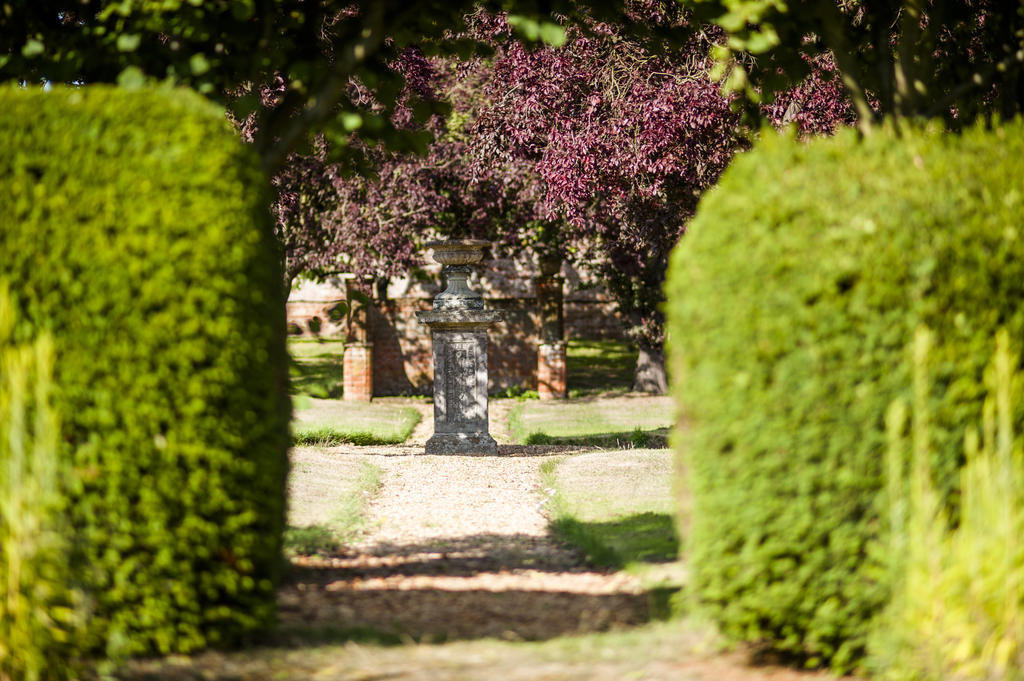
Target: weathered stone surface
(461, 443)
(456, 319)
(458, 327)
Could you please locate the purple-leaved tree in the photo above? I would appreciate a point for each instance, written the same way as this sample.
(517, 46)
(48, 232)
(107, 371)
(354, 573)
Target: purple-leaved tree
(598, 149)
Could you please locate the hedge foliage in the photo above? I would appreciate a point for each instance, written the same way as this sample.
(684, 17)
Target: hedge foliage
(792, 301)
(135, 233)
(957, 610)
(40, 616)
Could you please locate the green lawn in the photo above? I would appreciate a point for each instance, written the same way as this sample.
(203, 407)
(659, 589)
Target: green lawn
(327, 500)
(599, 366)
(619, 508)
(316, 367)
(616, 421)
(592, 366)
(327, 423)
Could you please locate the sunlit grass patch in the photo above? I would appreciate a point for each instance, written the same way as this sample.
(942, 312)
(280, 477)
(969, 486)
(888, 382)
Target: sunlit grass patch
(316, 367)
(329, 423)
(622, 421)
(597, 366)
(333, 500)
(619, 509)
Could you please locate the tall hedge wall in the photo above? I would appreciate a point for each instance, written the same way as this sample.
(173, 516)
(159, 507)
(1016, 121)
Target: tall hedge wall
(135, 232)
(792, 301)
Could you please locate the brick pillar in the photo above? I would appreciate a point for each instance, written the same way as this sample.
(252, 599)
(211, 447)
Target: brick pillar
(358, 368)
(551, 370)
(551, 350)
(358, 361)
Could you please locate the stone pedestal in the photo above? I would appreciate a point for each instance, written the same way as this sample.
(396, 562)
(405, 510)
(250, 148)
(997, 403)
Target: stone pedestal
(458, 328)
(357, 380)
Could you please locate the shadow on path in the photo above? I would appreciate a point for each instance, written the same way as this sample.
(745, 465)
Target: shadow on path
(512, 587)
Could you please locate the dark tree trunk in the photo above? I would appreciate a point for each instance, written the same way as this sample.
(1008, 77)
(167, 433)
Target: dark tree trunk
(650, 375)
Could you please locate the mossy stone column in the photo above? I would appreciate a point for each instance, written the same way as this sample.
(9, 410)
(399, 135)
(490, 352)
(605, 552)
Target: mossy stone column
(458, 326)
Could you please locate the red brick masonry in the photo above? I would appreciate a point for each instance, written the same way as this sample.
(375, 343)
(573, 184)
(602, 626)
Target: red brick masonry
(551, 371)
(358, 369)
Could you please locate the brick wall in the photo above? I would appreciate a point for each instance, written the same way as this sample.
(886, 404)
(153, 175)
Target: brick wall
(402, 363)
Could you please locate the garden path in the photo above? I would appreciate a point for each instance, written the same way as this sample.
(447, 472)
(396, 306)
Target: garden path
(458, 549)
(458, 562)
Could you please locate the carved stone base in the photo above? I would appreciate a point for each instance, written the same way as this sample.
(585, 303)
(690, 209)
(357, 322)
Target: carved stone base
(461, 443)
(458, 331)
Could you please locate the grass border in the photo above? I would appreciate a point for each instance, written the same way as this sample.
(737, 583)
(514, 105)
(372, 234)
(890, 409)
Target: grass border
(638, 438)
(347, 523)
(333, 436)
(567, 527)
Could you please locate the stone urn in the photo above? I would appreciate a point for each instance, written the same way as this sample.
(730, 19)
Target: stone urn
(458, 326)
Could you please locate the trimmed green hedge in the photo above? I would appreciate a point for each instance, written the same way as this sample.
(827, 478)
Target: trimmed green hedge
(792, 302)
(40, 622)
(135, 232)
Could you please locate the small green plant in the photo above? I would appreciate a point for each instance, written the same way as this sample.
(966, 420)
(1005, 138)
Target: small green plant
(311, 540)
(958, 606)
(519, 393)
(640, 438)
(39, 611)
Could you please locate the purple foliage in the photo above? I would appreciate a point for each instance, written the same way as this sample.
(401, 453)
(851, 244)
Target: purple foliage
(818, 105)
(600, 148)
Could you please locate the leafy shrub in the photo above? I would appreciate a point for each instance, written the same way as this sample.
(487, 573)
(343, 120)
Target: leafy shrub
(39, 611)
(958, 605)
(792, 300)
(135, 232)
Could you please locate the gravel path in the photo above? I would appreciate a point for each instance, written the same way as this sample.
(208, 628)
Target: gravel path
(468, 524)
(458, 548)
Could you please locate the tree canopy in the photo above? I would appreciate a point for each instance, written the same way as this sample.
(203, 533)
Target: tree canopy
(946, 59)
(296, 58)
(597, 150)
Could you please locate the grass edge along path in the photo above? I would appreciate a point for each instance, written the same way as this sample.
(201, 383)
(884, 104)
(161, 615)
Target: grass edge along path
(335, 431)
(347, 522)
(644, 542)
(637, 420)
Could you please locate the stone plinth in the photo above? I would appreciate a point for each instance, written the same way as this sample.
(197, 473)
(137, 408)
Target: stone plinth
(458, 328)
(459, 339)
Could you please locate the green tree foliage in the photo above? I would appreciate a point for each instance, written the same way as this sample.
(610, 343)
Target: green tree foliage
(295, 66)
(952, 59)
(39, 613)
(791, 303)
(136, 234)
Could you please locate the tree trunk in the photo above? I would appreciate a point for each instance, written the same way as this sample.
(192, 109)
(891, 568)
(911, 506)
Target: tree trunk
(650, 376)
